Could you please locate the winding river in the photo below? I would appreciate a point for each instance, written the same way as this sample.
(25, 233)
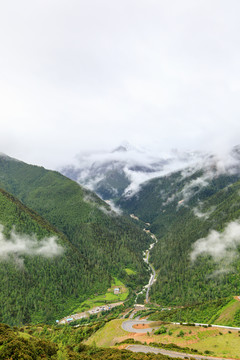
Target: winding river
(153, 275)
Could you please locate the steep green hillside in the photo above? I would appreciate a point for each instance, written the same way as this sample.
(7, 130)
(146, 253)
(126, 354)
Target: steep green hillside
(39, 267)
(54, 343)
(108, 243)
(182, 210)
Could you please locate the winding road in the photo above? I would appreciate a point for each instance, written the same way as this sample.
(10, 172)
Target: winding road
(173, 354)
(128, 326)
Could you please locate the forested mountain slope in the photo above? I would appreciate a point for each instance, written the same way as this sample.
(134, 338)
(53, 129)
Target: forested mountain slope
(39, 267)
(46, 342)
(105, 244)
(183, 208)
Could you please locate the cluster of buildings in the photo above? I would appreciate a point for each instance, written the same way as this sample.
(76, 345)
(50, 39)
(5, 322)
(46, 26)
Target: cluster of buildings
(98, 309)
(86, 314)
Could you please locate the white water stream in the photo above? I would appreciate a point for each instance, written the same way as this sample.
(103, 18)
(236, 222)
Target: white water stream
(153, 272)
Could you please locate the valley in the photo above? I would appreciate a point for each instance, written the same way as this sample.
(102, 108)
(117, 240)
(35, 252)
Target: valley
(120, 180)
(89, 263)
(117, 292)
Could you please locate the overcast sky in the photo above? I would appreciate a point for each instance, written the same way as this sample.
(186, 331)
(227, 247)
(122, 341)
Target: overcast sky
(79, 75)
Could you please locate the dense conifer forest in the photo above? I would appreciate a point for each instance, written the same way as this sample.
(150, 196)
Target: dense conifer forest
(172, 205)
(97, 245)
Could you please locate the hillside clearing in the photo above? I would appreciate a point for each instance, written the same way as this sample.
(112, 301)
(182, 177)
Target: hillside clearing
(217, 342)
(108, 297)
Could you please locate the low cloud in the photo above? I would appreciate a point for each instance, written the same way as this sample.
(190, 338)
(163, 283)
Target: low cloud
(139, 165)
(194, 187)
(170, 199)
(115, 210)
(111, 210)
(212, 166)
(89, 198)
(221, 246)
(19, 245)
(204, 215)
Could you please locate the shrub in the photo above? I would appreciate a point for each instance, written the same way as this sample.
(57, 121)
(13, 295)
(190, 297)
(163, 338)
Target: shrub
(161, 330)
(181, 334)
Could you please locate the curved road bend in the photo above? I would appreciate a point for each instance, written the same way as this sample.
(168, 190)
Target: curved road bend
(128, 326)
(173, 354)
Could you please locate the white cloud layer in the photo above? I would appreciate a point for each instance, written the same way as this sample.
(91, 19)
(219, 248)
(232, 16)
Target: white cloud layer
(138, 164)
(203, 215)
(79, 75)
(209, 166)
(223, 246)
(19, 245)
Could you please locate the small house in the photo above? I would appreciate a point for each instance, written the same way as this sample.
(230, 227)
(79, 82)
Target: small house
(116, 291)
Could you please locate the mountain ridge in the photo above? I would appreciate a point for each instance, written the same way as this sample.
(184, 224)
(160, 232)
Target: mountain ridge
(106, 242)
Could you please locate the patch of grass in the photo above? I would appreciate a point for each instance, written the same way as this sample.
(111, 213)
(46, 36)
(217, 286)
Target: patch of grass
(201, 339)
(219, 343)
(226, 316)
(207, 333)
(108, 297)
(227, 345)
(130, 271)
(24, 335)
(108, 335)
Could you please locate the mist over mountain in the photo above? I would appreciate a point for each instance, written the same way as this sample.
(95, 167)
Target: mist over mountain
(194, 212)
(95, 244)
(189, 200)
(120, 172)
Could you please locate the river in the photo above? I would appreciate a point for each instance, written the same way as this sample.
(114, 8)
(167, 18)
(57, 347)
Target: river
(153, 275)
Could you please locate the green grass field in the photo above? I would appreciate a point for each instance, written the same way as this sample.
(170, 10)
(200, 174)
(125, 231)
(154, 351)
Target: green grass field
(227, 313)
(216, 342)
(108, 297)
(108, 335)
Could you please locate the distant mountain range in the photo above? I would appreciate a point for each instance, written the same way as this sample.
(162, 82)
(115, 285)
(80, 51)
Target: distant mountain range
(61, 243)
(122, 171)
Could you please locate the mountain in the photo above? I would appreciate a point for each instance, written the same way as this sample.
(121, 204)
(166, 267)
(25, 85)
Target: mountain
(195, 215)
(48, 342)
(38, 266)
(102, 243)
(122, 170)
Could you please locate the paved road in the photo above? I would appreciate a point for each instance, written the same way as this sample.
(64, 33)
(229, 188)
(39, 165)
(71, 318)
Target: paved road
(173, 354)
(128, 326)
(212, 325)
